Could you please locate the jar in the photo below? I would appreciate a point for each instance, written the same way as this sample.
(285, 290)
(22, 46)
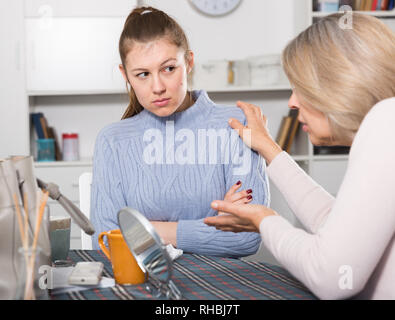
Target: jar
(70, 147)
(45, 150)
(30, 284)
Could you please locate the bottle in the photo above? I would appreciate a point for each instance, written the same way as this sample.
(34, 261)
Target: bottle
(231, 73)
(70, 147)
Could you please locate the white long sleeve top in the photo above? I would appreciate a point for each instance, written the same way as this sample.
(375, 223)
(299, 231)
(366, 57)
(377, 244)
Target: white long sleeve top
(348, 248)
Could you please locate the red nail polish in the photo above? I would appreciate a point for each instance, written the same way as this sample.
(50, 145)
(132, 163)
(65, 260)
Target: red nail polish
(238, 182)
(249, 197)
(249, 191)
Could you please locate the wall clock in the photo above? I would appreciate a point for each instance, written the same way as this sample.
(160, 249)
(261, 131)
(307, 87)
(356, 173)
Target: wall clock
(215, 7)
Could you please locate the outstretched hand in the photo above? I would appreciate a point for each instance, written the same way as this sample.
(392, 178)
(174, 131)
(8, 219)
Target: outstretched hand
(255, 134)
(239, 218)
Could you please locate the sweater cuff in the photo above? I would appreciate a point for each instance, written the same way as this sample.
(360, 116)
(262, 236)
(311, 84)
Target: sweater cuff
(184, 230)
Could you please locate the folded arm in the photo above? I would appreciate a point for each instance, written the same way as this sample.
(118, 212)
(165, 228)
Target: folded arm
(196, 236)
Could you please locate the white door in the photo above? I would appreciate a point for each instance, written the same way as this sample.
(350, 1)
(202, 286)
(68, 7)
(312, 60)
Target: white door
(14, 110)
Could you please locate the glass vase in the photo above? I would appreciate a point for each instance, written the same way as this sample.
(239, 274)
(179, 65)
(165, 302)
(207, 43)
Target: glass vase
(29, 286)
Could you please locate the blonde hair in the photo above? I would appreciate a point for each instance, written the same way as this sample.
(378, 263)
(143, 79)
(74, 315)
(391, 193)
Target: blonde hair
(342, 72)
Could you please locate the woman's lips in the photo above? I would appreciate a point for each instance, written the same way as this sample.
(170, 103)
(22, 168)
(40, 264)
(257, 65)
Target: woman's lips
(305, 128)
(161, 102)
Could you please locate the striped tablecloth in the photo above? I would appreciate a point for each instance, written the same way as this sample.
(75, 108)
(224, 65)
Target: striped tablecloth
(201, 278)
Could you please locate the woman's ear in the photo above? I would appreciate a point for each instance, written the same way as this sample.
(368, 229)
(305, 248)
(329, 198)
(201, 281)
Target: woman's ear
(123, 72)
(190, 61)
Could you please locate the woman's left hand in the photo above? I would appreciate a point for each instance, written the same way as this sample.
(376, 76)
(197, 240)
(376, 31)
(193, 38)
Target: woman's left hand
(241, 218)
(237, 198)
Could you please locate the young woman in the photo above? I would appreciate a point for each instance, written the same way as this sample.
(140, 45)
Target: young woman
(165, 158)
(344, 87)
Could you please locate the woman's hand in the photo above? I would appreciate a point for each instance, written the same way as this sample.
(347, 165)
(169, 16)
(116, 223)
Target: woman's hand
(241, 218)
(237, 198)
(258, 138)
(167, 230)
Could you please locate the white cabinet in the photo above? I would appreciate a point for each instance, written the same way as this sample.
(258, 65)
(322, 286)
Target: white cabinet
(14, 114)
(72, 46)
(73, 54)
(329, 173)
(77, 8)
(66, 177)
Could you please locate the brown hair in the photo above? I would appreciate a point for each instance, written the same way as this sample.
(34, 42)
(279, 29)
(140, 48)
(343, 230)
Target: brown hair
(342, 72)
(145, 24)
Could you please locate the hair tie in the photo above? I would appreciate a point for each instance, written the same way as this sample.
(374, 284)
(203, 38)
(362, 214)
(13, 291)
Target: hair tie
(145, 11)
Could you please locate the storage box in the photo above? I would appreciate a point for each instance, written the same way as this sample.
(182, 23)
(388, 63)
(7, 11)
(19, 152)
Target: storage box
(210, 75)
(241, 70)
(266, 70)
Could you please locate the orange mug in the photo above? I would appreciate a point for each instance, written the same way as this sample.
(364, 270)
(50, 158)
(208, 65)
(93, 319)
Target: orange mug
(124, 265)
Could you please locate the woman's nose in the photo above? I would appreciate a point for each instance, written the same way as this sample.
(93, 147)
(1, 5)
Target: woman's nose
(158, 86)
(293, 102)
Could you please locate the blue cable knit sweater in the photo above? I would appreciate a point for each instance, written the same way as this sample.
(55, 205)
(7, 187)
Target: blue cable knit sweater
(172, 168)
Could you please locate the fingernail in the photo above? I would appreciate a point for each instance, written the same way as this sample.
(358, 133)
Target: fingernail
(214, 205)
(238, 182)
(249, 197)
(249, 191)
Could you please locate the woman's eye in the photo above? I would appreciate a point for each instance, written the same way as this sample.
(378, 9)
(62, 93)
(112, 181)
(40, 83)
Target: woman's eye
(142, 75)
(169, 68)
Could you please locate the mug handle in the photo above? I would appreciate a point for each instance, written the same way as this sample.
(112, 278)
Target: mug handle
(103, 246)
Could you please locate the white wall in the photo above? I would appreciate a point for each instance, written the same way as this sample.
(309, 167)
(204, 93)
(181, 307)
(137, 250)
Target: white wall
(256, 27)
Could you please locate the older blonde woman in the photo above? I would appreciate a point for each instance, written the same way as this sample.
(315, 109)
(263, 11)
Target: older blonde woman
(344, 86)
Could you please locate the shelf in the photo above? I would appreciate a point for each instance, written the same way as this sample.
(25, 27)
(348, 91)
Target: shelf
(37, 93)
(249, 89)
(55, 164)
(89, 162)
(123, 92)
(300, 158)
(331, 157)
(320, 157)
(379, 14)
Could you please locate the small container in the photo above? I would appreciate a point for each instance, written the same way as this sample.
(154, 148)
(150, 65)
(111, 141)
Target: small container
(212, 74)
(242, 73)
(59, 236)
(266, 70)
(45, 150)
(29, 285)
(70, 147)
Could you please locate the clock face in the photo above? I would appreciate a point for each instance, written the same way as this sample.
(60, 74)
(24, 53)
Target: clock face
(215, 7)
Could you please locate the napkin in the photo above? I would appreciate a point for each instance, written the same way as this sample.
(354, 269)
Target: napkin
(173, 252)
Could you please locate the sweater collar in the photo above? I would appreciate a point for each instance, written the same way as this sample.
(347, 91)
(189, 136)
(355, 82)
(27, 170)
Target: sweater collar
(195, 114)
